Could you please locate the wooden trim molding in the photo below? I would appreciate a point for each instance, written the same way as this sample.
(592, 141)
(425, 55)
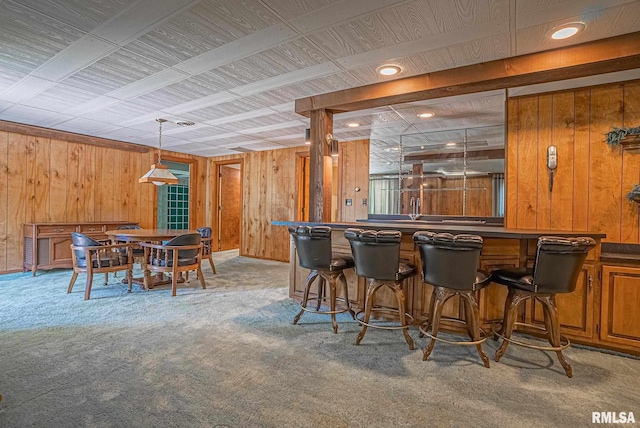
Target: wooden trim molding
(71, 137)
(587, 59)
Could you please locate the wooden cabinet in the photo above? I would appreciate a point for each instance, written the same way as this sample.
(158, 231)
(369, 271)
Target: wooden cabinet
(48, 245)
(620, 316)
(576, 309)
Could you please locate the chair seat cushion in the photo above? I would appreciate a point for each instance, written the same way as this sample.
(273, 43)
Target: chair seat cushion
(115, 261)
(405, 271)
(341, 262)
(521, 278)
(181, 262)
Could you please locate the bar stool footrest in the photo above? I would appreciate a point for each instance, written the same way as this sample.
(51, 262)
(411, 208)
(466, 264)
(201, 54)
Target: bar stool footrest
(456, 342)
(382, 327)
(562, 347)
(337, 311)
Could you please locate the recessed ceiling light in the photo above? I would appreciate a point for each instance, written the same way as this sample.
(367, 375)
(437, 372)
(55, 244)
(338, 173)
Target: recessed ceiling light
(185, 123)
(389, 69)
(426, 114)
(353, 124)
(451, 144)
(567, 30)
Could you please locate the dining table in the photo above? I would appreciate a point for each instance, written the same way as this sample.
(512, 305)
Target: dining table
(148, 235)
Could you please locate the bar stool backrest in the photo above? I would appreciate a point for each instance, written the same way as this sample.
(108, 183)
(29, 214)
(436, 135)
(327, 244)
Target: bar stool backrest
(375, 254)
(558, 263)
(449, 261)
(313, 245)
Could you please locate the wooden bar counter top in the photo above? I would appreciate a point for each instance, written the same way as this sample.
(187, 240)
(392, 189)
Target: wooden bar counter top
(582, 313)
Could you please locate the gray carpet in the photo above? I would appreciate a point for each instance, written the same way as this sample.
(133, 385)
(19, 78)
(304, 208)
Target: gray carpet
(228, 356)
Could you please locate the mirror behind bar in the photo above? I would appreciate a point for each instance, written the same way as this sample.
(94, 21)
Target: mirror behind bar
(451, 173)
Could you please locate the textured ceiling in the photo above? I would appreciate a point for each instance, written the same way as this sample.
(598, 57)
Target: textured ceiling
(108, 68)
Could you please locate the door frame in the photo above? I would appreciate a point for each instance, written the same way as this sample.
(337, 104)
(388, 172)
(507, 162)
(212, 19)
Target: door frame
(217, 165)
(300, 156)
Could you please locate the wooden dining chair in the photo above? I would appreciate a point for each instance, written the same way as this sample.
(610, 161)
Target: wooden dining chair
(207, 247)
(181, 254)
(90, 256)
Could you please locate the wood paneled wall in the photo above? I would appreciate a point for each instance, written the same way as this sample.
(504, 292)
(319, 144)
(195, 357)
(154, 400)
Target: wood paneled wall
(269, 193)
(353, 171)
(591, 180)
(49, 180)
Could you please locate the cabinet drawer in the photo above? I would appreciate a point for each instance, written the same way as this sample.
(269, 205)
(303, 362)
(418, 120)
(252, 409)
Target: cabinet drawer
(91, 228)
(56, 229)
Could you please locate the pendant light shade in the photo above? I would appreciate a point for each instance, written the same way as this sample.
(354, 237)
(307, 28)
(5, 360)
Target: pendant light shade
(159, 174)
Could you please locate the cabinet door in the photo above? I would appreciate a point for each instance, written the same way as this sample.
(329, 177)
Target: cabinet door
(60, 252)
(620, 305)
(493, 296)
(575, 309)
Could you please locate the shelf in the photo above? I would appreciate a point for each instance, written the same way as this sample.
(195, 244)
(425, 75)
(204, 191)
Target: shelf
(630, 142)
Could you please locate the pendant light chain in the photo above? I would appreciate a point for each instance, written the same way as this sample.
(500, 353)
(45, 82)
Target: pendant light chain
(160, 121)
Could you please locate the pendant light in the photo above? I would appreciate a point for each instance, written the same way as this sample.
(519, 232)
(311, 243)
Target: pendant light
(159, 174)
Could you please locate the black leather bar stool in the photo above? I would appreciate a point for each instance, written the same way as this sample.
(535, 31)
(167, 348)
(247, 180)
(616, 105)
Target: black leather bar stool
(556, 268)
(377, 258)
(313, 245)
(450, 265)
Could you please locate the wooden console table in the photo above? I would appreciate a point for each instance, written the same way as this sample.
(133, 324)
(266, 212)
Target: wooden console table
(48, 245)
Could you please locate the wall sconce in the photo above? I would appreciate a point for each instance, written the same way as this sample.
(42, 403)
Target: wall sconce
(307, 136)
(333, 145)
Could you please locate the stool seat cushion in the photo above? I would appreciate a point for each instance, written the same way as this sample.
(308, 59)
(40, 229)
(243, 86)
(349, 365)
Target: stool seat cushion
(521, 278)
(482, 279)
(341, 263)
(405, 271)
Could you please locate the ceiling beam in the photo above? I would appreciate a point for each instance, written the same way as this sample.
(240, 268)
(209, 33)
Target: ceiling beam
(601, 56)
(71, 137)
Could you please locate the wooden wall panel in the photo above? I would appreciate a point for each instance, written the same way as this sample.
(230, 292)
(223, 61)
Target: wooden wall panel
(41, 193)
(16, 202)
(630, 220)
(4, 188)
(605, 165)
(353, 172)
(511, 164)
(581, 157)
(526, 163)
(58, 181)
(592, 178)
(545, 137)
(563, 137)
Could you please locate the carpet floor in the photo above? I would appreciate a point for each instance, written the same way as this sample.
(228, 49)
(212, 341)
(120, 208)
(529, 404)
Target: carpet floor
(228, 356)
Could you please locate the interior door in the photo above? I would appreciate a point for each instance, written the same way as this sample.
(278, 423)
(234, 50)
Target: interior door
(229, 206)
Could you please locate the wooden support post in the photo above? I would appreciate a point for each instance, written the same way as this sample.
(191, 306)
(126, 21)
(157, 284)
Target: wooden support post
(320, 174)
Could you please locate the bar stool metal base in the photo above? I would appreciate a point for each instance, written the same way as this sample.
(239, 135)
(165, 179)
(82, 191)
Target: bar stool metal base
(483, 334)
(563, 338)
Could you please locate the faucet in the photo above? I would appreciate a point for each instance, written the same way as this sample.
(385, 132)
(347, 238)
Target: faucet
(415, 208)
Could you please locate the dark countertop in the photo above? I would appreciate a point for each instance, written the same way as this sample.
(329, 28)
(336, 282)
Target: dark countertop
(409, 226)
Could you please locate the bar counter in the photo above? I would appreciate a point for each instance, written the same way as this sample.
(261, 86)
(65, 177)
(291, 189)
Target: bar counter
(580, 311)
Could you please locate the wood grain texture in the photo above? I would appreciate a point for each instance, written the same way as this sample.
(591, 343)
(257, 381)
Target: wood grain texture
(592, 178)
(58, 181)
(4, 189)
(353, 173)
(605, 165)
(231, 203)
(581, 158)
(511, 165)
(630, 220)
(527, 171)
(544, 140)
